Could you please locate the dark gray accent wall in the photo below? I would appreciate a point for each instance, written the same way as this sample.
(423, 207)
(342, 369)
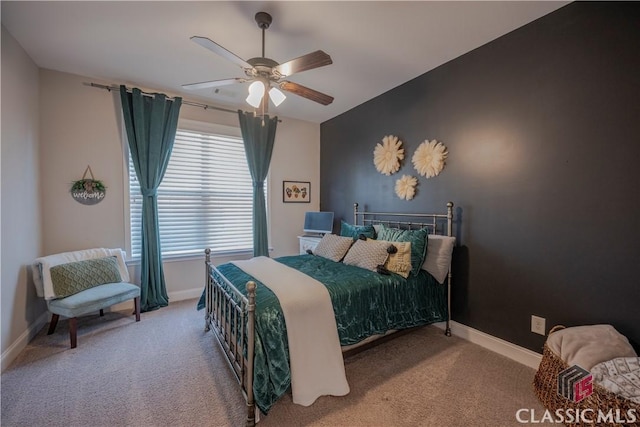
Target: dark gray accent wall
(543, 131)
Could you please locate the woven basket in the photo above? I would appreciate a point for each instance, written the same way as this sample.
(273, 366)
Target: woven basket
(545, 384)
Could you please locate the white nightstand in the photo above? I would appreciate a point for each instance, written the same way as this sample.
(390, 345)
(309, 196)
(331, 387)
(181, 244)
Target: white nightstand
(308, 242)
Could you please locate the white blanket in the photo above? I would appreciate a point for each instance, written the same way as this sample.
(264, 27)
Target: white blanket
(620, 376)
(588, 345)
(315, 358)
(41, 266)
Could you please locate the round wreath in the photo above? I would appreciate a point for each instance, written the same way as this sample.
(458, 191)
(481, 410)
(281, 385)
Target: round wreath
(406, 187)
(387, 156)
(89, 185)
(429, 158)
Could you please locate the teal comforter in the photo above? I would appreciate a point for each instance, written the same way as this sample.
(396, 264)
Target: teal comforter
(365, 303)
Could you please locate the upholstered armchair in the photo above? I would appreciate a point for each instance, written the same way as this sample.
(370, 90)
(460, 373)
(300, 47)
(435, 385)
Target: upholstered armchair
(80, 282)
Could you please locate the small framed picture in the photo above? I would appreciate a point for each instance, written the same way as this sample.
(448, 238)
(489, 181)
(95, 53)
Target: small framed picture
(296, 192)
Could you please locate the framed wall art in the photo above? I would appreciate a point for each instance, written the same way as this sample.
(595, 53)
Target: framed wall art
(296, 192)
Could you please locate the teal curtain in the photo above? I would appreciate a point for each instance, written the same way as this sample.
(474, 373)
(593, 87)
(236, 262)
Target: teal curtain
(150, 122)
(258, 134)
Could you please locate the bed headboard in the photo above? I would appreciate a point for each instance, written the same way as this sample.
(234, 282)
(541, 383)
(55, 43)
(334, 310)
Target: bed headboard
(437, 223)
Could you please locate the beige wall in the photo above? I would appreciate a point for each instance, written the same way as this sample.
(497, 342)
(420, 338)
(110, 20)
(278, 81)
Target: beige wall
(22, 311)
(80, 126)
(53, 126)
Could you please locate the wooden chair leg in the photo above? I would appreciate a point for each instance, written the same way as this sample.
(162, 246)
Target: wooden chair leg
(73, 332)
(53, 324)
(136, 304)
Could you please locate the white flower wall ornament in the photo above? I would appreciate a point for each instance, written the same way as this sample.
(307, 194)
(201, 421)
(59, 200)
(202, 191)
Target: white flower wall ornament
(387, 156)
(406, 187)
(429, 158)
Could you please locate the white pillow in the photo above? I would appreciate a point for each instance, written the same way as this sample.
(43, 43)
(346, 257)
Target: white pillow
(367, 254)
(438, 259)
(333, 247)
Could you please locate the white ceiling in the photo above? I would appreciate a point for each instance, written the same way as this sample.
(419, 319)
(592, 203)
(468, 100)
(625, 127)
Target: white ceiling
(375, 45)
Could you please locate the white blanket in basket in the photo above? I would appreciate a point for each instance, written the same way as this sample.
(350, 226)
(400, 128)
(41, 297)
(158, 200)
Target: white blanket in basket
(620, 376)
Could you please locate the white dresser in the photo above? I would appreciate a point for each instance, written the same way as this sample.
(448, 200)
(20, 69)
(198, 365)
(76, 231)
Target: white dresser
(308, 242)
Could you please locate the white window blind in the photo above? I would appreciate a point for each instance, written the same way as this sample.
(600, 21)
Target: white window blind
(205, 199)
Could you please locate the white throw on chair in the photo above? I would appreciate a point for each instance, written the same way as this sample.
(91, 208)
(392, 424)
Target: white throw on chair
(81, 282)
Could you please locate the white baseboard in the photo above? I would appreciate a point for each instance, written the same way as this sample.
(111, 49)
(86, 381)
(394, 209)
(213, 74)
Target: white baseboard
(500, 346)
(18, 345)
(183, 295)
(173, 297)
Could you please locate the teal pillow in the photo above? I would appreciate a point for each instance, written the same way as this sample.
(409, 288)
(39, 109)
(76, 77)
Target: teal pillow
(418, 239)
(73, 277)
(354, 231)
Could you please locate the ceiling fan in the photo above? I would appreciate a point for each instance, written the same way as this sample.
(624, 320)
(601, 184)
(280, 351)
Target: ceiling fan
(266, 75)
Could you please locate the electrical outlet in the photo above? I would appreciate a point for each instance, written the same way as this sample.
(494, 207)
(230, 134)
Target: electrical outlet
(538, 325)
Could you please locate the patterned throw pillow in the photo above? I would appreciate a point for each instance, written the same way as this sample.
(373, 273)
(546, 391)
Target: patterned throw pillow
(333, 247)
(400, 262)
(74, 277)
(367, 254)
(350, 230)
(418, 239)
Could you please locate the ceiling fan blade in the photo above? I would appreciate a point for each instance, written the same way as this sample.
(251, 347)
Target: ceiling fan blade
(213, 83)
(303, 63)
(216, 48)
(305, 92)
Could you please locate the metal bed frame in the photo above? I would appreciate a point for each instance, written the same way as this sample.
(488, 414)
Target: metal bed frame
(435, 223)
(231, 314)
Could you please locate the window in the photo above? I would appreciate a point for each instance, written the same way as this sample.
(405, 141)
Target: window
(205, 199)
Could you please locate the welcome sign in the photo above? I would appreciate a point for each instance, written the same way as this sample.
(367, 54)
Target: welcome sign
(88, 191)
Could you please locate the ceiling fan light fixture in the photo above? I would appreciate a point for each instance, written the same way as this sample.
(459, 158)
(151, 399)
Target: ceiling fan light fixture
(276, 96)
(265, 73)
(256, 92)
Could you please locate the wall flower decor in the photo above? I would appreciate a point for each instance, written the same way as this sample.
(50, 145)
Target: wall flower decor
(406, 187)
(387, 156)
(429, 158)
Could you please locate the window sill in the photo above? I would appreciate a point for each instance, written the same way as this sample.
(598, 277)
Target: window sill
(197, 257)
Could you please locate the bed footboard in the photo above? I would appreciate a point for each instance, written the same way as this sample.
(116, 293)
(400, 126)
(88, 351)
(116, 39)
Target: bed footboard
(231, 316)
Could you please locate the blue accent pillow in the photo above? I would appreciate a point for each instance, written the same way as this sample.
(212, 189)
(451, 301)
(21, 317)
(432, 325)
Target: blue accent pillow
(354, 231)
(418, 239)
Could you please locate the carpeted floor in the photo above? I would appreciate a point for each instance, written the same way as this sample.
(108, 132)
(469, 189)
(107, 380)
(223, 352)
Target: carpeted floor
(165, 371)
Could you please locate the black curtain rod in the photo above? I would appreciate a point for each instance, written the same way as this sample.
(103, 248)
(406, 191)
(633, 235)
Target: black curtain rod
(193, 104)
